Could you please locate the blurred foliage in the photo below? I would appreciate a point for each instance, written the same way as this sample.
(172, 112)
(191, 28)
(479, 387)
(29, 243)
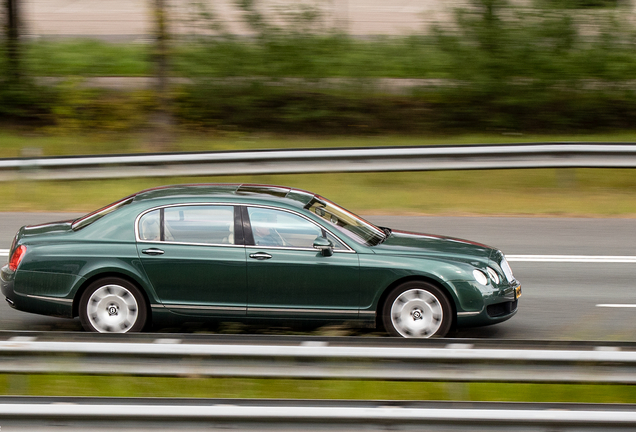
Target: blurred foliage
(254, 106)
(20, 100)
(24, 102)
(497, 67)
(581, 4)
(86, 57)
(78, 108)
(533, 69)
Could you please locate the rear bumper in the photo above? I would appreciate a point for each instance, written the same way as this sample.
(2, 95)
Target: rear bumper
(43, 305)
(6, 284)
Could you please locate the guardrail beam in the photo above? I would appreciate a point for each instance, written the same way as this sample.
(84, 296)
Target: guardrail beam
(367, 159)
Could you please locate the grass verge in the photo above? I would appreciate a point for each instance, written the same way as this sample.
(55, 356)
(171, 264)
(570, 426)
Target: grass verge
(16, 144)
(123, 386)
(547, 192)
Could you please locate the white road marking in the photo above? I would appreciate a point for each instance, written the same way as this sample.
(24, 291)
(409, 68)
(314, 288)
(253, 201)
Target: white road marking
(572, 258)
(4, 252)
(610, 305)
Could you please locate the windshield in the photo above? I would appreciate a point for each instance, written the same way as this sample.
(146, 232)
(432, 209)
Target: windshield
(346, 222)
(92, 217)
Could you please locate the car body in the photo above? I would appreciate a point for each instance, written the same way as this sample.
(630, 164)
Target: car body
(252, 252)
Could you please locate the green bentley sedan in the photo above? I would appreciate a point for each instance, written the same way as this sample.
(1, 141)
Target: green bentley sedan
(252, 252)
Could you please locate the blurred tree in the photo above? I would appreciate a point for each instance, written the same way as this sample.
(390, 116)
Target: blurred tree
(13, 40)
(162, 121)
(253, 17)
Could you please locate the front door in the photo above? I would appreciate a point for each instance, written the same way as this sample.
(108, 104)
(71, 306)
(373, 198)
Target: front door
(194, 257)
(287, 277)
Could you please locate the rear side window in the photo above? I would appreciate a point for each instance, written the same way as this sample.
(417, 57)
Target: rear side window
(189, 224)
(149, 228)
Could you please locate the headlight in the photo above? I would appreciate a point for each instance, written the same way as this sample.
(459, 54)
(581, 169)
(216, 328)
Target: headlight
(480, 277)
(493, 275)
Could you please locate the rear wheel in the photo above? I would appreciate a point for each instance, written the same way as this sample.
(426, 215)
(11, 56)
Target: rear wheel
(417, 310)
(112, 305)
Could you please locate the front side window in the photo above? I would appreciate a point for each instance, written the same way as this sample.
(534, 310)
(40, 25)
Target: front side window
(189, 224)
(278, 228)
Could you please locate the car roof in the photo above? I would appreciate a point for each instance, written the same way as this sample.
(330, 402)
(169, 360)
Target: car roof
(218, 190)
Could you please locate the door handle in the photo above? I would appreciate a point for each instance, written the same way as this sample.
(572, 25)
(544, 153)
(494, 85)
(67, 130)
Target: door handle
(153, 251)
(260, 256)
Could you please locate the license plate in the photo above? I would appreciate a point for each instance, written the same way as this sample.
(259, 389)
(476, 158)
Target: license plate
(518, 292)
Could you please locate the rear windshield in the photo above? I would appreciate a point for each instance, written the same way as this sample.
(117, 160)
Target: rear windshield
(97, 214)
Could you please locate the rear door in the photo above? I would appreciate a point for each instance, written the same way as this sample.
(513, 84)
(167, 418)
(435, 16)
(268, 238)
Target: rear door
(194, 256)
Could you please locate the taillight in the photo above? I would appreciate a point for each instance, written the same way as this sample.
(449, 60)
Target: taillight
(16, 258)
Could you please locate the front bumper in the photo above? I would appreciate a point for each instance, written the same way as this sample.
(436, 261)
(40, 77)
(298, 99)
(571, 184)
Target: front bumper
(498, 306)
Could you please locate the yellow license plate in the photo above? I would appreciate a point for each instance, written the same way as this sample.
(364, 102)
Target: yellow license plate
(518, 292)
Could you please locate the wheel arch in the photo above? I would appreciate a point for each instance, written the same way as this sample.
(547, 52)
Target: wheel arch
(414, 278)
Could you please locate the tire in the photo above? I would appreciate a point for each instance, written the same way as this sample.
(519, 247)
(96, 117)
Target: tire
(417, 310)
(113, 305)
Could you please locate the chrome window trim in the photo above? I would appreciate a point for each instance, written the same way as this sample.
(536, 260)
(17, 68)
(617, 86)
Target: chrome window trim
(192, 244)
(101, 212)
(140, 215)
(294, 249)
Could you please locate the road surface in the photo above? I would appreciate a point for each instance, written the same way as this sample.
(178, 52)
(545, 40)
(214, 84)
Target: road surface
(560, 299)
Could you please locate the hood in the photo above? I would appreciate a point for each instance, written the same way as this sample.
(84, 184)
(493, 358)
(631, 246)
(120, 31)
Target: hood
(402, 242)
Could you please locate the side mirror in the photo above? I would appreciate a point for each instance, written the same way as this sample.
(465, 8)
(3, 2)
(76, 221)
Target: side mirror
(324, 245)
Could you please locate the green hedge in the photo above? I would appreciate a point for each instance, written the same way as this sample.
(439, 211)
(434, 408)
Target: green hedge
(458, 109)
(499, 68)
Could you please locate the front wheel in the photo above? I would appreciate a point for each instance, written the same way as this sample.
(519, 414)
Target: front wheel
(112, 305)
(417, 310)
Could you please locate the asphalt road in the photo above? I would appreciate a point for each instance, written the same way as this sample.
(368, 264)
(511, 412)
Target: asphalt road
(559, 299)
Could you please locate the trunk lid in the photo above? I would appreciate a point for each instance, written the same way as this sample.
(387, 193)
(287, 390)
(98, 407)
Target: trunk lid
(41, 229)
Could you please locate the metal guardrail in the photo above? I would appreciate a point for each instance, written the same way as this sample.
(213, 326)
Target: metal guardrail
(165, 414)
(438, 361)
(368, 159)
